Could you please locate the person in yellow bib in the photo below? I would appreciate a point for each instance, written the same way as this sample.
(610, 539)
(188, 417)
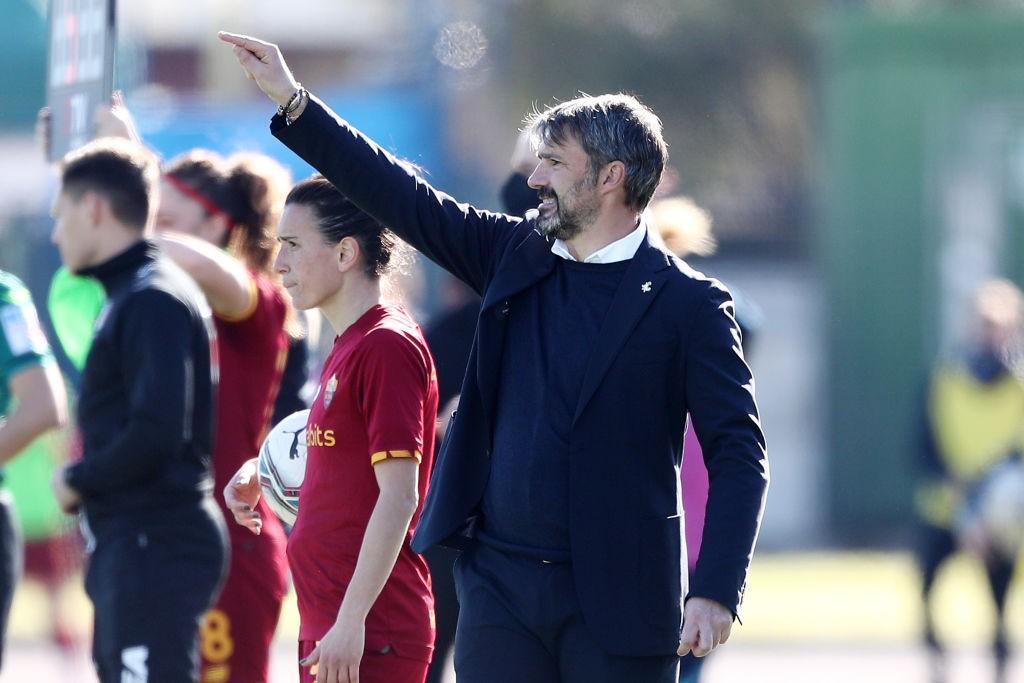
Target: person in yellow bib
(974, 426)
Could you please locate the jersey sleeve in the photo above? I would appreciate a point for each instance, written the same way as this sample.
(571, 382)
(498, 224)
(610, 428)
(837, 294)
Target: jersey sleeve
(266, 310)
(22, 342)
(392, 385)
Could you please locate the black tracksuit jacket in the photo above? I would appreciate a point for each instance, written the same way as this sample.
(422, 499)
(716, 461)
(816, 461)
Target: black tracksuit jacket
(146, 405)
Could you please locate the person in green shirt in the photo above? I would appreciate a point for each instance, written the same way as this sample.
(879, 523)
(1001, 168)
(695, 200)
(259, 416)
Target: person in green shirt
(32, 401)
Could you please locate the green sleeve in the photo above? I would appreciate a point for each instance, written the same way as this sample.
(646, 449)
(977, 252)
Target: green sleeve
(22, 342)
(74, 303)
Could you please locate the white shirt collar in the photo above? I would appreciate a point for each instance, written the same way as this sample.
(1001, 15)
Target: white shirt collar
(620, 250)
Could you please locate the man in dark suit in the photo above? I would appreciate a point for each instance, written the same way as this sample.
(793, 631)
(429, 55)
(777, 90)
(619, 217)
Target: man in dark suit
(560, 473)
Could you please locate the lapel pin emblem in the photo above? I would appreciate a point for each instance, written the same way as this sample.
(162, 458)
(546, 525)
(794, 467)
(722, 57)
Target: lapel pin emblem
(645, 287)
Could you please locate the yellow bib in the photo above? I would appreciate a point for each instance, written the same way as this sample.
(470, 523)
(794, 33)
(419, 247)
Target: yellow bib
(975, 424)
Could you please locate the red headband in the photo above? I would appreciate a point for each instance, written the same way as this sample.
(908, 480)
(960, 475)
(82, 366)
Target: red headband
(196, 196)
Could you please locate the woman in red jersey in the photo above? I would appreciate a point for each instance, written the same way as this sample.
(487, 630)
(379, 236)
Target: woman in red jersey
(216, 220)
(365, 604)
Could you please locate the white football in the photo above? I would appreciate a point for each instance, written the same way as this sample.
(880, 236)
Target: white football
(282, 465)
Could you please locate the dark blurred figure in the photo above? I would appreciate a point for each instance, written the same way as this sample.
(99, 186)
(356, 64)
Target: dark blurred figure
(289, 397)
(450, 337)
(157, 540)
(974, 413)
(517, 197)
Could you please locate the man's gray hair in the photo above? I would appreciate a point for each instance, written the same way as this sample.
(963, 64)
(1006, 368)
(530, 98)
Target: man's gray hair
(609, 128)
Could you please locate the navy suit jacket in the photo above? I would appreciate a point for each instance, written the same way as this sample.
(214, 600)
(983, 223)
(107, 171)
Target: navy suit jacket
(669, 347)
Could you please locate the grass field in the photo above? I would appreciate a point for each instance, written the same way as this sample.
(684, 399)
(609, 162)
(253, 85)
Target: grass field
(867, 598)
(808, 617)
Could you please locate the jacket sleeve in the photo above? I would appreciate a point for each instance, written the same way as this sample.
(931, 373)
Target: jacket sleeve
(154, 338)
(720, 397)
(461, 239)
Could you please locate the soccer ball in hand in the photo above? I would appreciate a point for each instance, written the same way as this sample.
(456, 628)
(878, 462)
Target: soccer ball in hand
(282, 465)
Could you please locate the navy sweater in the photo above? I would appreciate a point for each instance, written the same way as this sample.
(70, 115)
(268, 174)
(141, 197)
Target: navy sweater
(550, 332)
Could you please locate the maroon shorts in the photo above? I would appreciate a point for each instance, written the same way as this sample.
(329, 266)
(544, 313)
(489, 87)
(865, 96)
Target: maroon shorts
(237, 632)
(53, 559)
(374, 668)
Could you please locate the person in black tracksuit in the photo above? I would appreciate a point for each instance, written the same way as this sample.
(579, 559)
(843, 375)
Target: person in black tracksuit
(157, 540)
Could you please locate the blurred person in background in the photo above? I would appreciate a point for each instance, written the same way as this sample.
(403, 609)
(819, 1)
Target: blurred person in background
(55, 556)
(291, 397)
(974, 422)
(156, 537)
(517, 196)
(117, 121)
(53, 545)
(559, 395)
(365, 606)
(450, 337)
(686, 231)
(216, 219)
(32, 401)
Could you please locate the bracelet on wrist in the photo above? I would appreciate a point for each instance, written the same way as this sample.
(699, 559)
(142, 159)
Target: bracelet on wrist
(292, 102)
(291, 113)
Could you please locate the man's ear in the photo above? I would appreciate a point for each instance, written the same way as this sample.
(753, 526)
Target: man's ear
(612, 177)
(96, 207)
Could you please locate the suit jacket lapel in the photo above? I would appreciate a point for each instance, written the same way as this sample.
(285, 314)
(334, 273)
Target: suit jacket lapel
(528, 263)
(643, 278)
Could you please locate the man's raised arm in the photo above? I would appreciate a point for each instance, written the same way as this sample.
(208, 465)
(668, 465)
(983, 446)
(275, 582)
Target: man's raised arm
(466, 242)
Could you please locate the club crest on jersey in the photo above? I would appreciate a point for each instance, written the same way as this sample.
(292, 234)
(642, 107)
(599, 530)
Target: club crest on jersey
(329, 389)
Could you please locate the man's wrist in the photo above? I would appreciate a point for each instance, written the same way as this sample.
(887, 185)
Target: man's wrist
(293, 105)
(282, 98)
(299, 107)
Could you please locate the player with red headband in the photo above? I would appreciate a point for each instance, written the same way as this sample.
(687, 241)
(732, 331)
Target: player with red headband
(216, 220)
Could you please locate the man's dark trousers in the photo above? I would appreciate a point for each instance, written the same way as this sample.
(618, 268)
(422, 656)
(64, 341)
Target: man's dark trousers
(511, 630)
(150, 588)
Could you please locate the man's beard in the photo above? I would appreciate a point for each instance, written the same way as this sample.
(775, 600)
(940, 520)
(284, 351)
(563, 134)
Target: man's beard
(567, 222)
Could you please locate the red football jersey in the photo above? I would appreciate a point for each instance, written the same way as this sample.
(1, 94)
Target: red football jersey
(237, 631)
(377, 400)
(252, 350)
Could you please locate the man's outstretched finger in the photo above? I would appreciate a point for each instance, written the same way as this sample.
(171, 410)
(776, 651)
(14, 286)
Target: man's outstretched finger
(254, 45)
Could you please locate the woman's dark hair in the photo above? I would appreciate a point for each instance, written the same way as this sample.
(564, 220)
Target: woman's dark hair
(247, 188)
(338, 218)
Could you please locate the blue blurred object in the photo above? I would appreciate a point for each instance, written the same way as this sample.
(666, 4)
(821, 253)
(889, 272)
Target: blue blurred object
(405, 119)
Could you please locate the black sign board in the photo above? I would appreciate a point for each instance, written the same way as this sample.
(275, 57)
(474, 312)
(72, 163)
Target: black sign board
(80, 69)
